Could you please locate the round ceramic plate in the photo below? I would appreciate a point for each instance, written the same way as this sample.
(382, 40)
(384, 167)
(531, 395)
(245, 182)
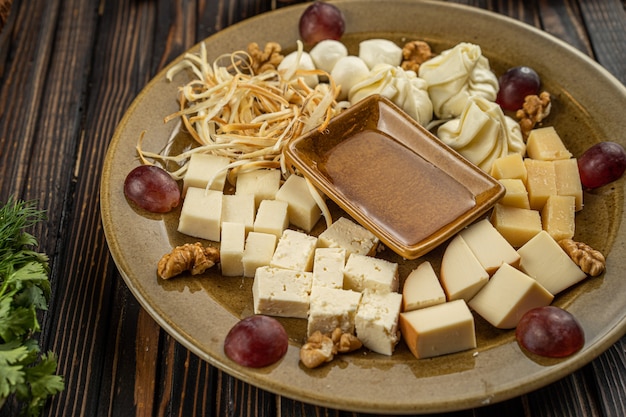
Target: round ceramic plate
(587, 107)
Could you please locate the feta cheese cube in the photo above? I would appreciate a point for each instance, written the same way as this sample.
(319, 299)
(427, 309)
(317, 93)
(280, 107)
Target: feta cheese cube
(262, 183)
(351, 236)
(204, 168)
(303, 210)
(201, 214)
(363, 272)
(332, 308)
(376, 321)
(239, 208)
(258, 252)
(271, 217)
(295, 250)
(231, 248)
(328, 264)
(281, 292)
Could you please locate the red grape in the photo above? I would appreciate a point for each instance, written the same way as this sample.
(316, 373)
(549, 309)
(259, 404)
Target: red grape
(256, 341)
(515, 85)
(321, 21)
(550, 331)
(601, 164)
(152, 189)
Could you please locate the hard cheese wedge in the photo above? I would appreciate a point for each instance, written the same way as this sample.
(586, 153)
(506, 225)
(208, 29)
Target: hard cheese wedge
(462, 275)
(422, 288)
(489, 246)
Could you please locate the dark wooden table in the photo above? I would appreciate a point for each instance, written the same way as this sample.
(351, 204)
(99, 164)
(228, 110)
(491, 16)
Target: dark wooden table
(68, 70)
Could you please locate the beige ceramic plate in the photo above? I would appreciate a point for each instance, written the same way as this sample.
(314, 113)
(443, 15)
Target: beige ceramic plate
(588, 107)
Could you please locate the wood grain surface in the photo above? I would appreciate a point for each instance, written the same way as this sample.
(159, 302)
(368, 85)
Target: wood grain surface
(69, 69)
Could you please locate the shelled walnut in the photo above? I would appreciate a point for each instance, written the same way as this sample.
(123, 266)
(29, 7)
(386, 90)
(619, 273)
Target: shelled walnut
(192, 257)
(414, 54)
(591, 261)
(534, 110)
(321, 348)
(267, 59)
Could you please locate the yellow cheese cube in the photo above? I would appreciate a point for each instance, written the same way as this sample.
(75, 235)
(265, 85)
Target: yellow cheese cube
(545, 144)
(510, 166)
(558, 217)
(204, 168)
(271, 217)
(568, 180)
(516, 194)
(303, 210)
(231, 249)
(201, 214)
(517, 225)
(540, 182)
(263, 183)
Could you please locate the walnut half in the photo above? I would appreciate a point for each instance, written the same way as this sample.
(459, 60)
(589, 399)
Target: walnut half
(590, 261)
(264, 60)
(414, 54)
(192, 257)
(321, 348)
(534, 110)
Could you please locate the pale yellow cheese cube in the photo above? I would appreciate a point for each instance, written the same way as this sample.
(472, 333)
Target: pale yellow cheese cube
(376, 321)
(295, 250)
(363, 272)
(262, 183)
(568, 180)
(438, 330)
(540, 182)
(303, 210)
(422, 288)
(351, 236)
(239, 208)
(545, 144)
(517, 225)
(271, 217)
(558, 216)
(543, 259)
(281, 292)
(203, 168)
(462, 274)
(201, 214)
(489, 246)
(258, 252)
(328, 264)
(510, 166)
(508, 295)
(516, 194)
(332, 308)
(231, 249)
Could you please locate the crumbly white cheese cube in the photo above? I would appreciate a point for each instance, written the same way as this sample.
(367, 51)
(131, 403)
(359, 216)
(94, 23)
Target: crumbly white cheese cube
(332, 308)
(295, 250)
(304, 212)
(271, 217)
(363, 272)
(328, 264)
(201, 214)
(204, 168)
(462, 274)
(258, 252)
(376, 321)
(489, 246)
(422, 288)
(239, 208)
(231, 248)
(543, 259)
(351, 236)
(281, 292)
(262, 183)
(508, 295)
(439, 330)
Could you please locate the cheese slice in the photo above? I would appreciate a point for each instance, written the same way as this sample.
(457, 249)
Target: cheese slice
(438, 330)
(489, 246)
(332, 308)
(281, 292)
(422, 288)
(462, 274)
(508, 295)
(543, 259)
(376, 321)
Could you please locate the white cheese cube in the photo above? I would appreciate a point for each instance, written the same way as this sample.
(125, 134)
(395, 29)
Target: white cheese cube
(422, 288)
(328, 264)
(295, 250)
(231, 248)
(508, 295)
(439, 330)
(258, 252)
(489, 246)
(239, 208)
(332, 308)
(201, 214)
(262, 183)
(351, 236)
(543, 259)
(204, 168)
(376, 321)
(303, 210)
(271, 217)
(462, 275)
(363, 272)
(281, 292)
